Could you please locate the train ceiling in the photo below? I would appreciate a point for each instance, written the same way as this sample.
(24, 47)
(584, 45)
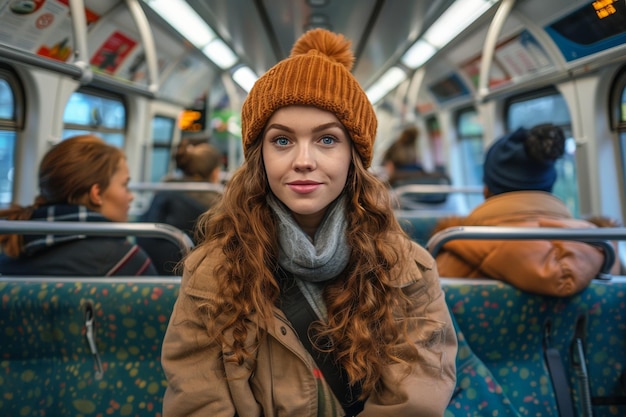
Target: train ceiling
(133, 44)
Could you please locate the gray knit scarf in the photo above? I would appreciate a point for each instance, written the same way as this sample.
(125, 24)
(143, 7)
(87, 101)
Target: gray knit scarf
(312, 263)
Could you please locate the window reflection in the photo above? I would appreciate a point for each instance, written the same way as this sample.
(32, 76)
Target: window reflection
(7, 102)
(92, 113)
(470, 134)
(162, 132)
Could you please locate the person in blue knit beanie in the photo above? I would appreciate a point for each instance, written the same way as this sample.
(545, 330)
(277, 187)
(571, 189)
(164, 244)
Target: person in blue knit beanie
(519, 173)
(524, 160)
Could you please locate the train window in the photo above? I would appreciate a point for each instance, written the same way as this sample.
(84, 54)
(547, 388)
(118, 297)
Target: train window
(10, 122)
(90, 112)
(470, 134)
(619, 109)
(7, 102)
(162, 132)
(433, 132)
(548, 106)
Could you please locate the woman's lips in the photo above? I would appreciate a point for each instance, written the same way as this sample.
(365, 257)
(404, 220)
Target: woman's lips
(304, 187)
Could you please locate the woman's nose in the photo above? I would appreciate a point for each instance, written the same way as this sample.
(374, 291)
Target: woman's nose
(304, 158)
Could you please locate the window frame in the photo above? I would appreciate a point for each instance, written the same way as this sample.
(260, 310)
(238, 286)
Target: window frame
(617, 115)
(162, 145)
(19, 101)
(472, 199)
(17, 123)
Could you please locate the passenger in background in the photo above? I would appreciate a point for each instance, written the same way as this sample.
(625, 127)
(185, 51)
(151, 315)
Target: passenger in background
(81, 179)
(403, 166)
(519, 174)
(198, 162)
(401, 160)
(305, 297)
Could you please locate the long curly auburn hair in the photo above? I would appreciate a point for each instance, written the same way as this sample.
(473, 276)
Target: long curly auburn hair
(363, 307)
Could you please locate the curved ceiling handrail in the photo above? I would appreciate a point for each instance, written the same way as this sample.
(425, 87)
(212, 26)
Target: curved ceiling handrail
(157, 230)
(489, 48)
(595, 236)
(143, 25)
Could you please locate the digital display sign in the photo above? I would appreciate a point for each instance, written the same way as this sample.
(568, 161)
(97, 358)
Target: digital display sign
(192, 120)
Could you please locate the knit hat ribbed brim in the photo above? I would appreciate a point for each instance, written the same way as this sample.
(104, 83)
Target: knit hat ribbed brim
(317, 73)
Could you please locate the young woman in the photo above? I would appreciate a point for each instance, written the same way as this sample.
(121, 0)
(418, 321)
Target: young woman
(80, 179)
(305, 297)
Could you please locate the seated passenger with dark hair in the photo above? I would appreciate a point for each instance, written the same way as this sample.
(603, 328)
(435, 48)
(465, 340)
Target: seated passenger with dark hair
(199, 162)
(519, 174)
(401, 160)
(81, 179)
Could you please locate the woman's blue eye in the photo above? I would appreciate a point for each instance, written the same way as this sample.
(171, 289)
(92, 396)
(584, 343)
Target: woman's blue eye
(328, 140)
(282, 141)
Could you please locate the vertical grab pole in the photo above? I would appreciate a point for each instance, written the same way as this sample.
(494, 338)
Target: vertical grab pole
(490, 46)
(147, 40)
(79, 29)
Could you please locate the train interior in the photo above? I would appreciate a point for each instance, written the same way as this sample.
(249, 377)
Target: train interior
(146, 74)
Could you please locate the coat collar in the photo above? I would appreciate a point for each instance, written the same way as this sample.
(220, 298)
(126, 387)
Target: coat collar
(519, 202)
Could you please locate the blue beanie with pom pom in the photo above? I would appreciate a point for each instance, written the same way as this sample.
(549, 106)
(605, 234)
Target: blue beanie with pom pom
(508, 167)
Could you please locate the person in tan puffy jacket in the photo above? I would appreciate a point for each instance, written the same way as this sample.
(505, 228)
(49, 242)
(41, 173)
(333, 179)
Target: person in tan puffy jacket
(519, 173)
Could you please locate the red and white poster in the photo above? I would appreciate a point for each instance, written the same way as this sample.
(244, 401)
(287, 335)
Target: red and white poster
(522, 55)
(112, 52)
(497, 76)
(43, 27)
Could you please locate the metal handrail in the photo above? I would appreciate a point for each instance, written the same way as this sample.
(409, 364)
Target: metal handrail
(156, 230)
(176, 186)
(595, 236)
(435, 189)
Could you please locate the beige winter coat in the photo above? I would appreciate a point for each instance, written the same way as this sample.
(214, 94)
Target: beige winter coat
(559, 268)
(201, 382)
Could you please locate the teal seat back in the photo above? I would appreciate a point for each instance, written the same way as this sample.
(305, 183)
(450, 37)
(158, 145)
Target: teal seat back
(477, 390)
(419, 228)
(504, 329)
(47, 365)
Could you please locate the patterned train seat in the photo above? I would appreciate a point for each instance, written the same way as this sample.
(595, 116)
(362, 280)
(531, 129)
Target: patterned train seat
(504, 330)
(48, 367)
(91, 346)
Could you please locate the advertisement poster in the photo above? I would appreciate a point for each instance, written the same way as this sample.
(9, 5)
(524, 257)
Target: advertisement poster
(497, 76)
(43, 27)
(522, 55)
(112, 52)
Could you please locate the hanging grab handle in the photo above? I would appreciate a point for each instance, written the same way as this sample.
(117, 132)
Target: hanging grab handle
(577, 352)
(91, 339)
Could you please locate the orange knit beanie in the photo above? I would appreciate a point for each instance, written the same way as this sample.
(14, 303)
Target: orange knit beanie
(317, 73)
